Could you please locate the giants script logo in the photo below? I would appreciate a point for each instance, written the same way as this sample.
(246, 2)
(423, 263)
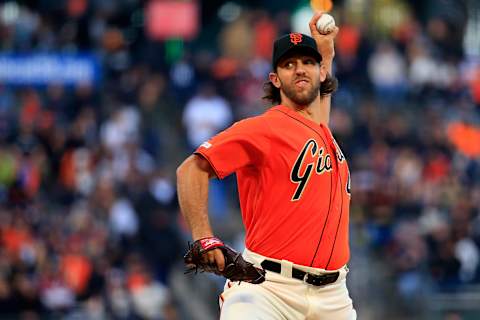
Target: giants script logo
(322, 163)
(296, 38)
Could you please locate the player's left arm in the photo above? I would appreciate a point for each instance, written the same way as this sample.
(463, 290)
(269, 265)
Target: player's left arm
(326, 47)
(192, 185)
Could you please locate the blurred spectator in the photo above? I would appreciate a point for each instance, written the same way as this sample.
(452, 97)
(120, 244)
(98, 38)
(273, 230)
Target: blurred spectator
(205, 115)
(149, 297)
(387, 70)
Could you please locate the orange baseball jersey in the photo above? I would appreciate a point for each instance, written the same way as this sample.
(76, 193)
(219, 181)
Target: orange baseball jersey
(293, 184)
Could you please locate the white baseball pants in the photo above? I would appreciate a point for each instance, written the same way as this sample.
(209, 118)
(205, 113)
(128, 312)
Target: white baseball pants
(282, 297)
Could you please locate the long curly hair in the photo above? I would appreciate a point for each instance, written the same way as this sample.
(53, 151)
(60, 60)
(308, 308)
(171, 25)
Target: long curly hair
(272, 93)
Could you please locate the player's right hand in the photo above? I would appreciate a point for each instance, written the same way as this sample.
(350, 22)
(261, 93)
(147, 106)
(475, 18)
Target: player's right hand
(325, 42)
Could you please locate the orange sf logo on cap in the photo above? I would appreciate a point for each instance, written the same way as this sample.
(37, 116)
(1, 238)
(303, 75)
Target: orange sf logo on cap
(295, 38)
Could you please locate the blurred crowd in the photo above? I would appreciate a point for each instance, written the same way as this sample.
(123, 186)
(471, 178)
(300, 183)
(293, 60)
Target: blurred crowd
(89, 223)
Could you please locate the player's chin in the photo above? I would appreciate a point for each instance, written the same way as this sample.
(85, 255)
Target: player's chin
(301, 93)
(304, 94)
(302, 101)
(305, 98)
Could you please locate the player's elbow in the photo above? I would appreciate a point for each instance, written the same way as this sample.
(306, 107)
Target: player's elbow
(188, 166)
(182, 169)
(194, 165)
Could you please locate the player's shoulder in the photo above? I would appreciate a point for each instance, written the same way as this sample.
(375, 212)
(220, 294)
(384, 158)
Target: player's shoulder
(276, 117)
(268, 115)
(259, 123)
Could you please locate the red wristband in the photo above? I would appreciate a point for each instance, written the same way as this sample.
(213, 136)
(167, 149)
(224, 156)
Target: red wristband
(210, 243)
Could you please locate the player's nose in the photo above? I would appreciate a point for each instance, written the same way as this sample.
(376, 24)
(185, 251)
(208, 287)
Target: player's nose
(300, 69)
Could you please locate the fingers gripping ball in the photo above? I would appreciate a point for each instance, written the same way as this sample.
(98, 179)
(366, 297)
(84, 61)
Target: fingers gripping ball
(236, 268)
(325, 24)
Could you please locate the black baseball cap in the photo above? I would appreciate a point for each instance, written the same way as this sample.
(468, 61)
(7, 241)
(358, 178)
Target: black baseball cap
(294, 41)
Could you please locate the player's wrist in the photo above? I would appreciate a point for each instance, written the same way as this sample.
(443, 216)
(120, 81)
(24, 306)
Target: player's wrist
(201, 235)
(202, 231)
(327, 57)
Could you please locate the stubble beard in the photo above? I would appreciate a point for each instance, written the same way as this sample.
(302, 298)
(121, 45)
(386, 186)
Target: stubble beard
(301, 98)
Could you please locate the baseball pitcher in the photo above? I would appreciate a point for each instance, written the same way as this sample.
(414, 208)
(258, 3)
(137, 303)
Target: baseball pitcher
(294, 191)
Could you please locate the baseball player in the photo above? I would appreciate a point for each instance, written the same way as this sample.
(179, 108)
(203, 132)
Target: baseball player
(294, 190)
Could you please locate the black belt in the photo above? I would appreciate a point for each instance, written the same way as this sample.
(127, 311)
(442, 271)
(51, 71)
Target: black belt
(313, 279)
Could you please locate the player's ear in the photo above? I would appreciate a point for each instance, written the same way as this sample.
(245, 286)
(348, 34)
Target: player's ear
(323, 72)
(274, 79)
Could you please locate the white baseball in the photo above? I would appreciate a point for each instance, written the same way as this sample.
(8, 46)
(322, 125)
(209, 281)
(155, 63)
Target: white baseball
(325, 24)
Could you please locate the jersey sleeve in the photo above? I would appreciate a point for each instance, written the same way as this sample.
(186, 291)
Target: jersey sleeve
(245, 143)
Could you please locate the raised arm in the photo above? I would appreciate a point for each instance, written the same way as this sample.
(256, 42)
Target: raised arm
(326, 47)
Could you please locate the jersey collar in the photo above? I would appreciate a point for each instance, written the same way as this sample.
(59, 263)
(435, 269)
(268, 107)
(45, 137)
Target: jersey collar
(297, 116)
(321, 129)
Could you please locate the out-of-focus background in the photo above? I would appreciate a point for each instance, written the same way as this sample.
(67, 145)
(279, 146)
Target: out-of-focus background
(101, 100)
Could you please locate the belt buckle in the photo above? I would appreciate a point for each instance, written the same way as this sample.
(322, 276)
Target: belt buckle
(320, 280)
(313, 279)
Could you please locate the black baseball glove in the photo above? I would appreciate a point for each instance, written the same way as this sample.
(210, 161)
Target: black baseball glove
(236, 268)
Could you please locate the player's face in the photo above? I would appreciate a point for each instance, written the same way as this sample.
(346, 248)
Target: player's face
(299, 78)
